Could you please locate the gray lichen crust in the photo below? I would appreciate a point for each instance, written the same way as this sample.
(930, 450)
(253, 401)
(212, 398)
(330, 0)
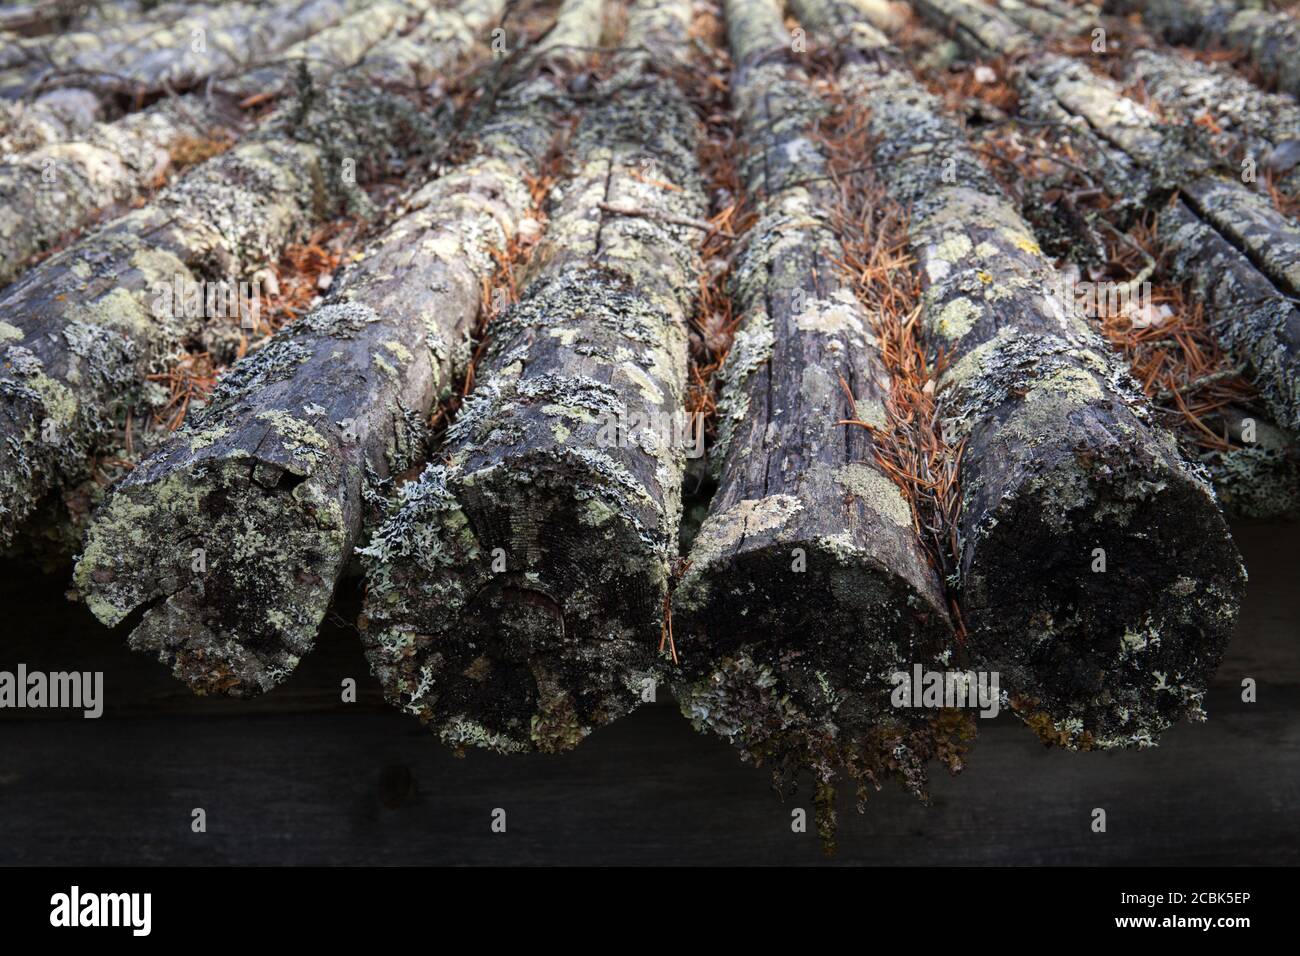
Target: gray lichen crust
(271, 479)
(1097, 574)
(807, 586)
(80, 332)
(1270, 38)
(516, 592)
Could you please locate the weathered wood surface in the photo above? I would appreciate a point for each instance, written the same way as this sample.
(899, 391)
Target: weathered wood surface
(56, 116)
(334, 48)
(1270, 39)
(48, 192)
(271, 479)
(1248, 123)
(1062, 458)
(102, 58)
(516, 592)
(83, 328)
(299, 777)
(807, 586)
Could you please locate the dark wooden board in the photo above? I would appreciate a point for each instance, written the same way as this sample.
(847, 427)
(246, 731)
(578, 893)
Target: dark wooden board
(298, 777)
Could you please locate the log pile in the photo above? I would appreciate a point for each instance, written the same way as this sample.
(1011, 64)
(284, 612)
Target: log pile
(501, 267)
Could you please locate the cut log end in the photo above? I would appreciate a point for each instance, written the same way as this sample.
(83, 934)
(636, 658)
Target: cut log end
(229, 605)
(839, 605)
(1105, 592)
(518, 609)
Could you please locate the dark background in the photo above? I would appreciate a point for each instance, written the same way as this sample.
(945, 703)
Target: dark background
(299, 777)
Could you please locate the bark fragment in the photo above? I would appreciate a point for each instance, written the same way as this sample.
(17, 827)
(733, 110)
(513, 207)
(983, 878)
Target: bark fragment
(516, 592)
(1064, 466)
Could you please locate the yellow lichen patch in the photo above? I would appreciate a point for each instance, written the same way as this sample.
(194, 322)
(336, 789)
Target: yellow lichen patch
(726, 529)
(10, 333)
(1071, 382)
(957, 318)
(876, 491)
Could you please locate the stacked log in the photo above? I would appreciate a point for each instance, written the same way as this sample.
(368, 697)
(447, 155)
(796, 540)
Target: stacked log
(1247, 122)
(1211, 218)
(517, 590)
(271, 480)
(807, 587)
(1269, 38)
(1097, 575)
(84, 327)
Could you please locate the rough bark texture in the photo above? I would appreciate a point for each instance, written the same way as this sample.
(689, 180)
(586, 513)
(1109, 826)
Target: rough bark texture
(334, 48)
(434, 46)
(47, 192)
(271, 478)
(1270, 38)
(1062, 458)
(242, 43)
(56, 116)
(1256, 250)
(1259, 478)
(1248, 122)
(104, 58)
(1057, 19)
(807, 586)
(81, 330)
(516, 592)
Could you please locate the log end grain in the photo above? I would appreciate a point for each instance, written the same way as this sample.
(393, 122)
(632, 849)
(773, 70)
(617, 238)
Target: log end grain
(1104, 592)
(229, 560)
(513, 608)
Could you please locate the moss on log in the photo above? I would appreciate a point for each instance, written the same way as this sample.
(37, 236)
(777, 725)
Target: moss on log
(1097, 573)
(516, 591)
(271, 479)
(807, 586)
(1248, 123)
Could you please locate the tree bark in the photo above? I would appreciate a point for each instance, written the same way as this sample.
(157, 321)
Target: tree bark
(83, 328)
(434, 45)
(335, 47)
(56, 117)
(517, 590)
(1256, 249)
(48, 192)
(1271, 39)
(1264, 127)
(1097, 573)
(100, 59)
(807, 586)
(271, 479)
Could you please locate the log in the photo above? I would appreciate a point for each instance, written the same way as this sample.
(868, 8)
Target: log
(1255, 247)
(516, 591)
(1245, 311)
(234, 47)
(55, 117)
(1247, 121)
(82, 329)
(1097, 574)
(1258, 478)
(50, 191)
(335, 47)
(99, 58)
(433, 47)
(271, 478)
(807, 586)
(1269, 38)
